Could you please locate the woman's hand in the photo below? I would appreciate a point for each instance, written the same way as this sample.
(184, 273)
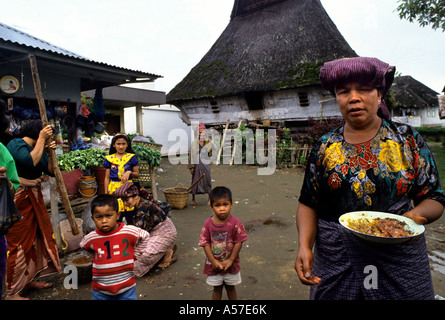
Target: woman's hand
(426, 211)
(51, 145)
(303, 266)
(46, 132)
(39, 148)
(416, 217)
(307, 230)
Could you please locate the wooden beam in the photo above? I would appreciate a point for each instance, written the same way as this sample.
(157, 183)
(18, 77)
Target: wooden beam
(52, 152)
(55, 212)
(139, 122)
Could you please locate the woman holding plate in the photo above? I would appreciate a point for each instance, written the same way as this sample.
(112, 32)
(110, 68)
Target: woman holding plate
(369, 164)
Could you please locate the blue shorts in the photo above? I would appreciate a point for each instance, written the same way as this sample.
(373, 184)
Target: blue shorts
(127, 295)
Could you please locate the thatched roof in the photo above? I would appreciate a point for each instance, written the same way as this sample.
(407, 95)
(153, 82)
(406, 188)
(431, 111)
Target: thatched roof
(410, 93)
(268, 45)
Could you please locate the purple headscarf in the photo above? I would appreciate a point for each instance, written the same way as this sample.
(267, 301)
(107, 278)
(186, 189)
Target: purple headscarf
(126, 190)
(130, 189)
(369, 71)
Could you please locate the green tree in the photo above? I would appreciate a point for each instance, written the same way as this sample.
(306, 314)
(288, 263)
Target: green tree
(426, 12)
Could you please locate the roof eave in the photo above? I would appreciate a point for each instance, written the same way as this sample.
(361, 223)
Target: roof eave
(93, 74)
(179, 101)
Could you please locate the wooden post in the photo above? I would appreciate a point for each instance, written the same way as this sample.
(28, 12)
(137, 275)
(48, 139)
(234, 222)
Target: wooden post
(222, 142)
(139, 122)
(234, 147)
(154, 190)
(52, 152)
(55, 213)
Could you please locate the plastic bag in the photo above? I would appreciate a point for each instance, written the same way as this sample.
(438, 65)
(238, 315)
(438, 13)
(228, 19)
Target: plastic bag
(9, 214)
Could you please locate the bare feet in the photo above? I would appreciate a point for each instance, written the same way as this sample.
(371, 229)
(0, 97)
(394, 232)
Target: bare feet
(32, 285)
(39, 285)
(15, 297)
(168, 258)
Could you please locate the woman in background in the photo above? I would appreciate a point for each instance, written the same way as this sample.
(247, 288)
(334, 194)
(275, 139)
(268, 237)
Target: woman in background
(8, 169)
(150, 217)
(197, 167)
(31, 244)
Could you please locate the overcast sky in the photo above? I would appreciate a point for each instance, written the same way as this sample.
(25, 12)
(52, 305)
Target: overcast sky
(169, 37)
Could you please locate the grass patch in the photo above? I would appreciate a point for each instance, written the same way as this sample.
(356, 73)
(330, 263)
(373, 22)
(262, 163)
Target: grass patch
(439, 155)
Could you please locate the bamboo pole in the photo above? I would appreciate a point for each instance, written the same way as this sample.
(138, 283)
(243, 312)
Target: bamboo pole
(222, 142)
(154, 189)
(234, 147)
(55, 213)
(52, 152)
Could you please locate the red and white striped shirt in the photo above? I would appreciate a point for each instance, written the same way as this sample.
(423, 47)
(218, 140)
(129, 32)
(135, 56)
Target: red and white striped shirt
(114, 254)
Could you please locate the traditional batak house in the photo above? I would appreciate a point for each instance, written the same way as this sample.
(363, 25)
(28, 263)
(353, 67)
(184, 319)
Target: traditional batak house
(416, 104)
(264, 66)
(442, 104)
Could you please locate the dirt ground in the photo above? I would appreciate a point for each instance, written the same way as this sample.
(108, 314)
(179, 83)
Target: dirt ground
(266, 205)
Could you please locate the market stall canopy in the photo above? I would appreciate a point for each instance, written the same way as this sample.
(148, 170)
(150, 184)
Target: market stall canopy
(16, 46)
(121, 96)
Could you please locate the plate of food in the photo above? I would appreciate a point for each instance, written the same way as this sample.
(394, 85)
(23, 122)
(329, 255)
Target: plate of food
(381, 227)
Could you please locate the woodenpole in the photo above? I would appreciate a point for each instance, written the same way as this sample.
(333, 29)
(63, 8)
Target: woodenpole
(52, 152)
(234, 147)
(154, 189)
(55, 213)
(222, 142)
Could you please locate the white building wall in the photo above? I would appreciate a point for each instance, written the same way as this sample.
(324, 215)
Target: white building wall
(430, 117)
(159, 121)
(423, 117)
(283, 105)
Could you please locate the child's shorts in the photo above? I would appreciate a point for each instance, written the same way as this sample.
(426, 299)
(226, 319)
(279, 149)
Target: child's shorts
(127, 295)
(228, 278)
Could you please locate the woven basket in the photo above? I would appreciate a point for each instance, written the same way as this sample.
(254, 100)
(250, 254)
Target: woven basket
(177, 196)
(155, 146)
(144, 172)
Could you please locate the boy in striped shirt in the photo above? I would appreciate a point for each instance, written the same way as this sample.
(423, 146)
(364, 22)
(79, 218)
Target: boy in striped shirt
(113, 247)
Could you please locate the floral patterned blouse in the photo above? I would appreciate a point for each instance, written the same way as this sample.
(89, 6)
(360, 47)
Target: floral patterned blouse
(147, 216)
(118, 166)
(383, 174)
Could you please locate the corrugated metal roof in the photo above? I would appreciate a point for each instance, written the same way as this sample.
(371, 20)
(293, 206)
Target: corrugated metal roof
(16, 36)
(10, 34)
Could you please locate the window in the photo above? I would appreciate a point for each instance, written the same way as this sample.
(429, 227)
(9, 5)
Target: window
(254, 100)
(214, 106)
(430, 112)
(304, 99)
